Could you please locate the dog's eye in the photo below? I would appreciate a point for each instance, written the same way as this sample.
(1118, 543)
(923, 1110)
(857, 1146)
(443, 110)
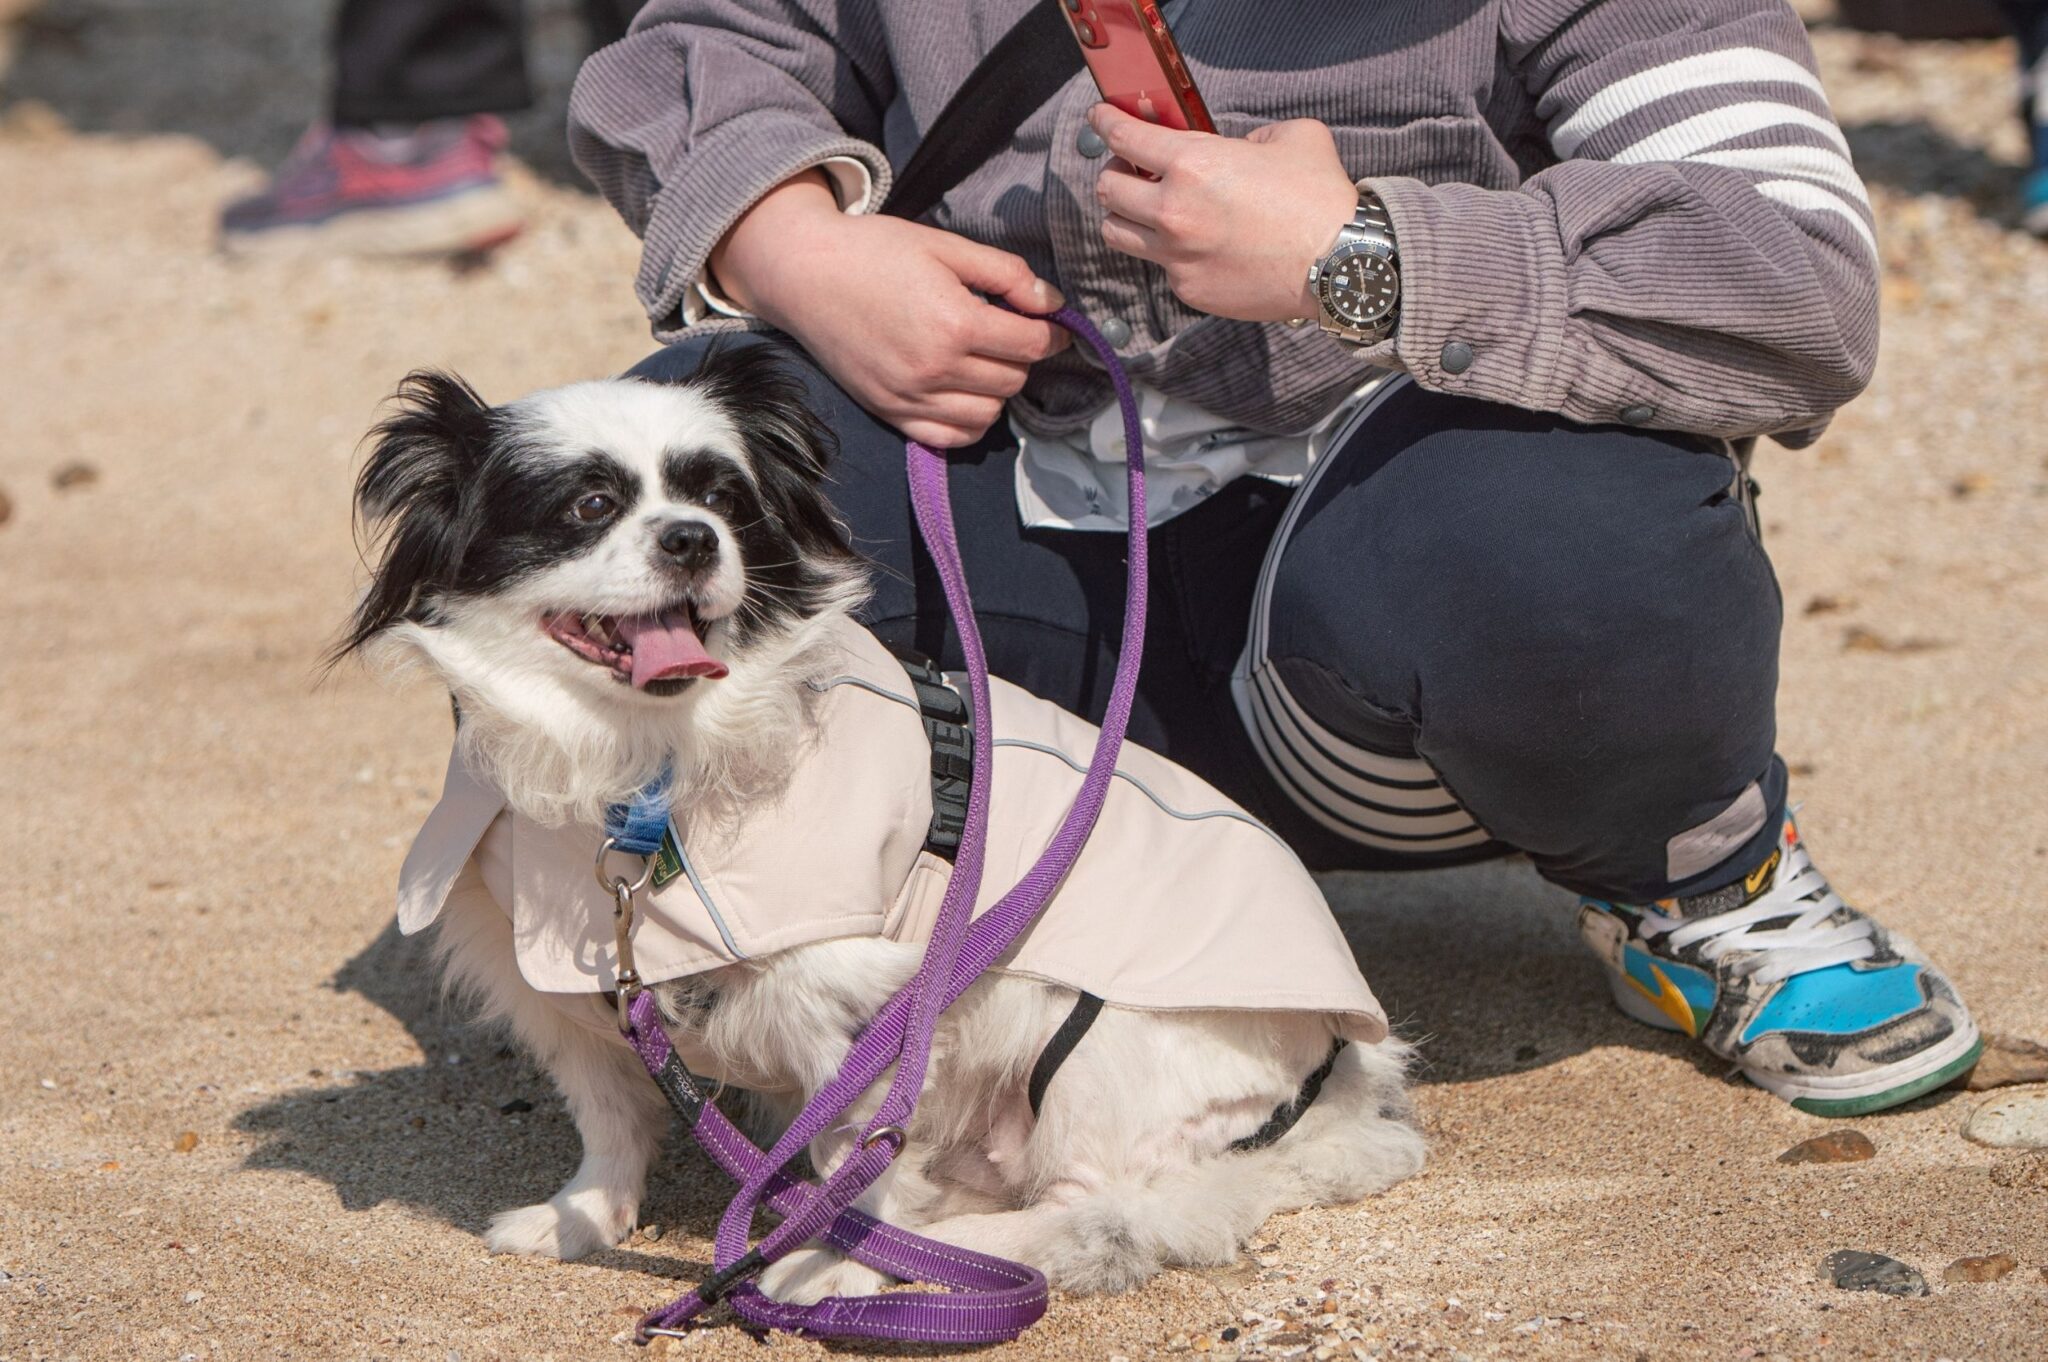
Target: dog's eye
(716, 499)
(593, 508)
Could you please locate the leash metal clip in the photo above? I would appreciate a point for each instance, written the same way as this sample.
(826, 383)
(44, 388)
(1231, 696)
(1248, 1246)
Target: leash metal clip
(623, 892)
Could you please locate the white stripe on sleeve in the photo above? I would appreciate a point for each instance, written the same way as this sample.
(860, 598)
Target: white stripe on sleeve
(1806, 194)
(1715, 126)
(1731, 66)
(1808, 163)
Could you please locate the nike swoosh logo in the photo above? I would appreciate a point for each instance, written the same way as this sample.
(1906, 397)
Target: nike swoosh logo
(1668, 999)
(1753, 883)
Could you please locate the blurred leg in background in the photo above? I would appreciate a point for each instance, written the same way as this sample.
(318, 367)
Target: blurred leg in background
(407, 162)
(2029, 19)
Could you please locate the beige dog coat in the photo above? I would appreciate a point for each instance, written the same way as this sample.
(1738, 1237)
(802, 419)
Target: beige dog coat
(1180, 900)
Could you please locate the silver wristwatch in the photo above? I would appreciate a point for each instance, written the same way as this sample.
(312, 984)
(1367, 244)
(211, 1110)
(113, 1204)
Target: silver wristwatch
(1358, 283)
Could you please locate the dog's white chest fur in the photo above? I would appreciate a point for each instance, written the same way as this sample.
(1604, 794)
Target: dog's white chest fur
(1181, 900)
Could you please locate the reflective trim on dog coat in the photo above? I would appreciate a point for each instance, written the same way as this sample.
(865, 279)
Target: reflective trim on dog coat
(1180, 901)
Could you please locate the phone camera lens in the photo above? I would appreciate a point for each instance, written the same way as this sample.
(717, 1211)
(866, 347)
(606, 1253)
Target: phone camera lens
(1074, 6)
(1086, 30)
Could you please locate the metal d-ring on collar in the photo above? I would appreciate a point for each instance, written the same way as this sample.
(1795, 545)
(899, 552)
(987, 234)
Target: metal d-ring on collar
(623, 892)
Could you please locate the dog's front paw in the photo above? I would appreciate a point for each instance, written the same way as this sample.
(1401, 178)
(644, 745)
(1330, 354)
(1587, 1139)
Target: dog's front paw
(569, 1226)
(806, 1276)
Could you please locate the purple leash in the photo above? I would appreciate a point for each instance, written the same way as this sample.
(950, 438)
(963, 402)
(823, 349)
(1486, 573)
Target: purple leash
(988, 1299)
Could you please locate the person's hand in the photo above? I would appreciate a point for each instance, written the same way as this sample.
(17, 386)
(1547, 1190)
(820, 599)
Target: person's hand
(889, 309)
(1234, 223)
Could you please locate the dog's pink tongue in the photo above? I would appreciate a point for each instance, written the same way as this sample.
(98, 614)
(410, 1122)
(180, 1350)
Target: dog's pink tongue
(666, 647)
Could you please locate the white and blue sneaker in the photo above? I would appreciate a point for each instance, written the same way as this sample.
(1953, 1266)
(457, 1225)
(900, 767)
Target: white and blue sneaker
(1803, 994)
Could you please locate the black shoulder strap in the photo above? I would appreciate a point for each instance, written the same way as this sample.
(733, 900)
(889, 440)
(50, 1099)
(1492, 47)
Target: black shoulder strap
(1025, 68)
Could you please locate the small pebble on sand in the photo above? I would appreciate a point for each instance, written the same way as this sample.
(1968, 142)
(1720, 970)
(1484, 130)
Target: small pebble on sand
(74, 475)
(2016, 1122)
(1853, 1270)
(2008, 1060)
(1986, 1269)
(187, 1141)
(1837, 1146)
(194, 1297)
(6, 508)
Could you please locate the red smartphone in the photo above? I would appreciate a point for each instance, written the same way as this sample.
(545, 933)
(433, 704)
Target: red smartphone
(1136, 63)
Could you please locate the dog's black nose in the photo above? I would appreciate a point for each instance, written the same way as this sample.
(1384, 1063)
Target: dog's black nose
(692, 543)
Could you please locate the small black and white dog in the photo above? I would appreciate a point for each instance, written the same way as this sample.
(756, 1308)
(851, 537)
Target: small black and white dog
(620, 576)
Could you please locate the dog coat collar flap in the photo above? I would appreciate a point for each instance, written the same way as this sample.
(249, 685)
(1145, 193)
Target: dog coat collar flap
(444, 843)
(835, 852)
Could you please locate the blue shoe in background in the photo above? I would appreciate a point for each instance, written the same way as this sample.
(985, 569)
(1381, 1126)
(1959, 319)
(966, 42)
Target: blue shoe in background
(2034, 200)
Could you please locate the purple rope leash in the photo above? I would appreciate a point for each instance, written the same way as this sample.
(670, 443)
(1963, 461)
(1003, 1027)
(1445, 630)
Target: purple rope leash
(990, 1299)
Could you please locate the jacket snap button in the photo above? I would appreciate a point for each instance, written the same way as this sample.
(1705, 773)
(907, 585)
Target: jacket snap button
(1456, 357)
(1641, 414)
(1116, 331)
(1090, 143)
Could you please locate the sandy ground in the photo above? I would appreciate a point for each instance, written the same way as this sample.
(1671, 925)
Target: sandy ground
(200, 837)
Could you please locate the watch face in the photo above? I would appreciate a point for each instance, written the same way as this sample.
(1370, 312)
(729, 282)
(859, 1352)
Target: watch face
(1361, 288)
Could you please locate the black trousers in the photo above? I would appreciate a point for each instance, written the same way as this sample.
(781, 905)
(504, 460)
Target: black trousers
(408, 61)
(1474, 629)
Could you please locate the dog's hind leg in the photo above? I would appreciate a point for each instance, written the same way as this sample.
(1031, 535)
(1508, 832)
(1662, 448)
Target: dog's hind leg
(1109, 1223)
(1354, 1140)
(619, 1114)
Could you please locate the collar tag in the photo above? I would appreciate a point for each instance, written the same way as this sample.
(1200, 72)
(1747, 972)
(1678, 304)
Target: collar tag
(668, 857)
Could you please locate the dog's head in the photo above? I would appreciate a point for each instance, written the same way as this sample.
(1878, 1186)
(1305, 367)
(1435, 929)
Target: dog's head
(593, 563)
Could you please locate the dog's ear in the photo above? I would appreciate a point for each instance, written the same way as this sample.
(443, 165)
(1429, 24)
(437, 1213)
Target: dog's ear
(416, 497)
(790, 449)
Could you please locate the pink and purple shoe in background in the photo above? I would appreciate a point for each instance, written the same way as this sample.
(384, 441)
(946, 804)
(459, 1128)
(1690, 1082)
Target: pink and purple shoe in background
(431, 189)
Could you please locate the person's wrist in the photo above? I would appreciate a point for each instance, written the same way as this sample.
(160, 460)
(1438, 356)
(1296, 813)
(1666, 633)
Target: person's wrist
(1323, 222)
(748, 259)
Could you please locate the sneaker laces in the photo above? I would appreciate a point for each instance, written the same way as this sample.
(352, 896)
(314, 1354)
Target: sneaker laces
(1809, 940)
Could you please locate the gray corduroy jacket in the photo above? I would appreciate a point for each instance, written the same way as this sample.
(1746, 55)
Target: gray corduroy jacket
(1633, 210)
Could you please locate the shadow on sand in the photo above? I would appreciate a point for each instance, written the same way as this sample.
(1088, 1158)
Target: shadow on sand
(472, 1130)
(1915, 157)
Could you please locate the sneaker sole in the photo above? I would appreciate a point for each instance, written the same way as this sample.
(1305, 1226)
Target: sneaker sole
(1888, 1087)
(1851, 1094)
(473, 221)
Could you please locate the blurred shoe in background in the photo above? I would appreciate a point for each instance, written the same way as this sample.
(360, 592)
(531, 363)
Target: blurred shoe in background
(428, 189)
(2029, 22)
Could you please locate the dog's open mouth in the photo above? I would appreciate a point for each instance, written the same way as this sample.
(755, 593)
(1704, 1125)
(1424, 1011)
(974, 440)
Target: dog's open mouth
(659, 653)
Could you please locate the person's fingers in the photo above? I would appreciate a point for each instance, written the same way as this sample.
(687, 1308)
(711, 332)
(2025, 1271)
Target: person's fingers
(997, 273)
(1301, 131)
(1145, 145)
(1130, 196)
(988, 377)
(1121, 234)
(933, 435)
(950, 419)
(995, 334)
